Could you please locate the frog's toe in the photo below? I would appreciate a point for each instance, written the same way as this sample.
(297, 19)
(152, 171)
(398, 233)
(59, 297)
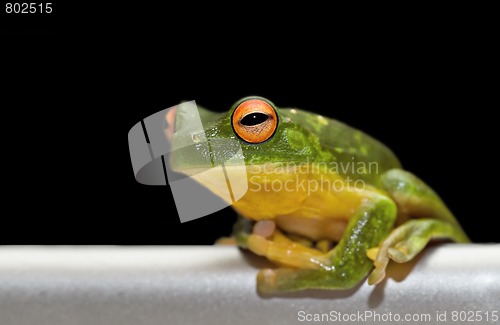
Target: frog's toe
(266, 281)
(270, 281)
(380, 258)
(377, 275)
(399, 254)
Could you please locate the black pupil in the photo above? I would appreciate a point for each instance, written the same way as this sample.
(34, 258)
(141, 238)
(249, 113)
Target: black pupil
(254, 119)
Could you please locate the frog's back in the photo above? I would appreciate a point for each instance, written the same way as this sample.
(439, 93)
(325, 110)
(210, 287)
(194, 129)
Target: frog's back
(353, 153)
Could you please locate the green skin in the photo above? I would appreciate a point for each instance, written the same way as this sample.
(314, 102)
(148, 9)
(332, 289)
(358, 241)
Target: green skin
(302, 136)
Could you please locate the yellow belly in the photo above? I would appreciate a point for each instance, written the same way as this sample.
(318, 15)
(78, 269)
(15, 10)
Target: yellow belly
(313, 204)
(305, 201)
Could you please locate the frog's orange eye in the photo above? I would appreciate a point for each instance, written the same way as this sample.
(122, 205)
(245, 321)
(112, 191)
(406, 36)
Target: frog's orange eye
(254, 121)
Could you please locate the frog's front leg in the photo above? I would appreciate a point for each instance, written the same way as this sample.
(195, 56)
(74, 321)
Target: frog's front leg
(416, 199)
(342, 267)
(274, 245)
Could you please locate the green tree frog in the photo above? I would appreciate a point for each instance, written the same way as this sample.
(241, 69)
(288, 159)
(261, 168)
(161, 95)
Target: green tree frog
(327, 203)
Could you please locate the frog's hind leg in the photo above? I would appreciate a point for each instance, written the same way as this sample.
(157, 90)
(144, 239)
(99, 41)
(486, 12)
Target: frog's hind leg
(417, 199)
(345, 265)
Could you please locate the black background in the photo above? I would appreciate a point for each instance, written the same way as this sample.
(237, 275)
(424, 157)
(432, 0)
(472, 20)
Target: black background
(75, 91)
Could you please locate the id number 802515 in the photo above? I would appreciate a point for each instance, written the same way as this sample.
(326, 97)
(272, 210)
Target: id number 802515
(28, 8)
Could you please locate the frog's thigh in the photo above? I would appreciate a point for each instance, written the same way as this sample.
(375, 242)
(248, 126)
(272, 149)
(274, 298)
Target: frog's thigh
(417, 199)
(414, 197)
(408, 240)
(347, 263)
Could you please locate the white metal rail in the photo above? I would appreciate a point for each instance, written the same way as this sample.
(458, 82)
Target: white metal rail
(216, 285)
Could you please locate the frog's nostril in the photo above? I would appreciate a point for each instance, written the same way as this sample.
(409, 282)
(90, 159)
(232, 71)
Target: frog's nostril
(169, 124)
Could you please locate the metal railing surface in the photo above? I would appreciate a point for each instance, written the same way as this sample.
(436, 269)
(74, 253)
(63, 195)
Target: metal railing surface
(216, 285)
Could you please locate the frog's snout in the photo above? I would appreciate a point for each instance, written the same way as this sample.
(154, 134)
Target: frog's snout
(169, 123)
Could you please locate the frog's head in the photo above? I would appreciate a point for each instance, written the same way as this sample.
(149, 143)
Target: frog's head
(254, 133)
(253, 124)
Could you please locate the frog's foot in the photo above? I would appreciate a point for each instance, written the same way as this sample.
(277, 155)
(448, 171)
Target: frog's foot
(285, 279)
(271, 281)
(406, 241)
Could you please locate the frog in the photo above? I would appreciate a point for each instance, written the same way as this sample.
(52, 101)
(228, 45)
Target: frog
(327, 204)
